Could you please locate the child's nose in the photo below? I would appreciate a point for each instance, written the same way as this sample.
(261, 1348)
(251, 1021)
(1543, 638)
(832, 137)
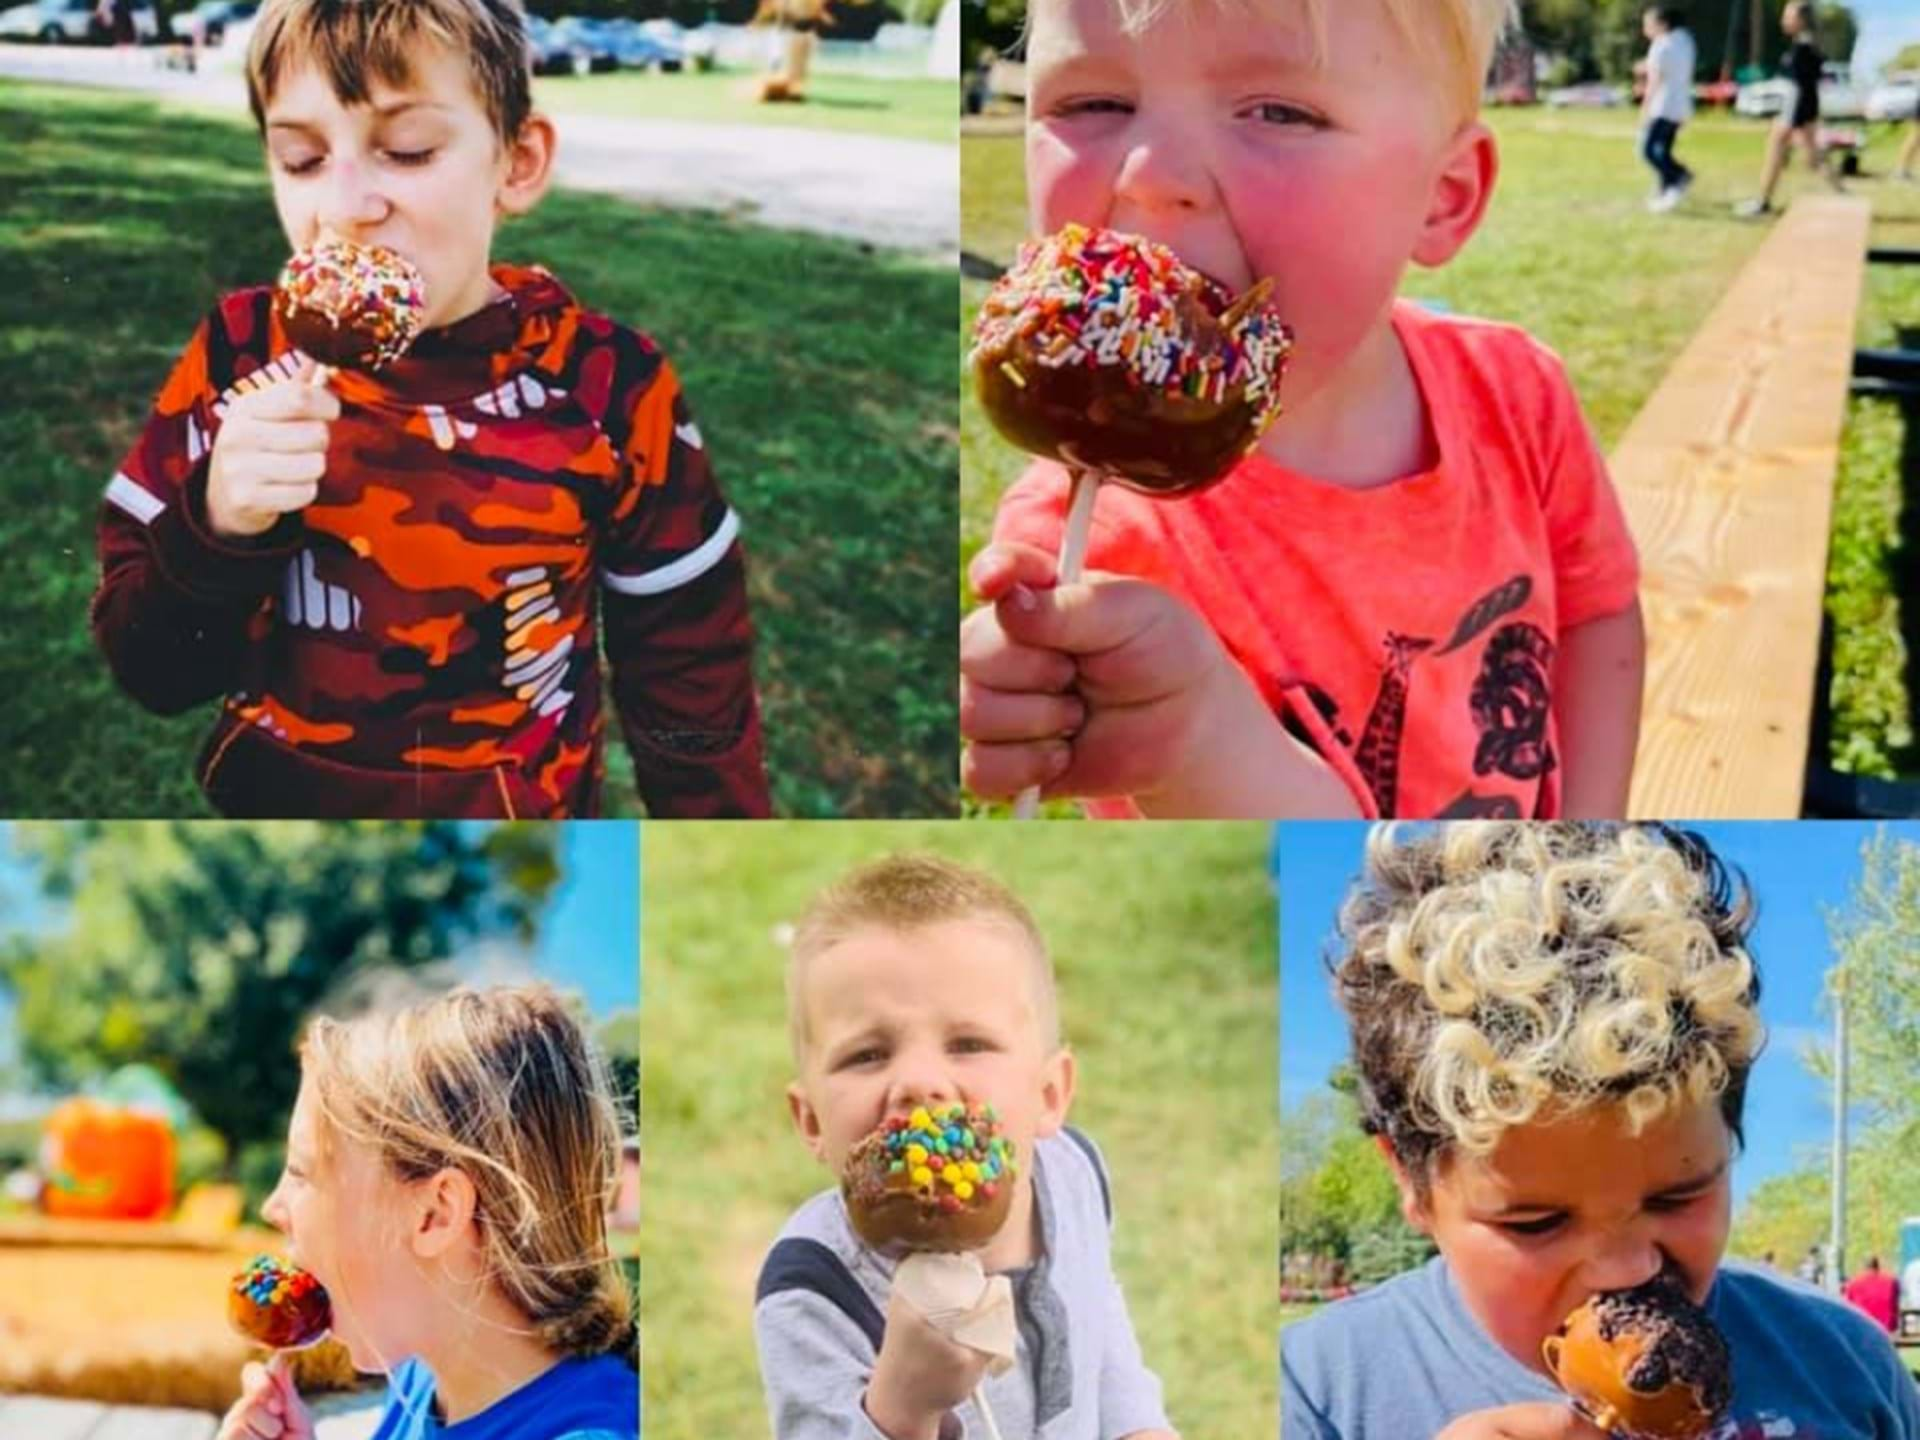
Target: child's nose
(353, 201)
(919, 1085)
(1623, 1263)
(1163, 171)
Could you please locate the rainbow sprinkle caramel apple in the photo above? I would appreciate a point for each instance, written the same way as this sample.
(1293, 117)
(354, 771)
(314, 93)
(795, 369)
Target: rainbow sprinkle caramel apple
(1645, 1363)
(1109, 354)
(939, 1179)
(278, 1305)
(352, 305)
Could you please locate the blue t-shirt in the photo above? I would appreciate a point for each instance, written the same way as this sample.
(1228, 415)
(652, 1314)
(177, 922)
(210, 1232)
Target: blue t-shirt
(596, 1399)
(1402, 1361)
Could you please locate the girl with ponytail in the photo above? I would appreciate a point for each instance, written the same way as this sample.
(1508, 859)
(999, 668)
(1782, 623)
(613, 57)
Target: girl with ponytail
(449, 1171)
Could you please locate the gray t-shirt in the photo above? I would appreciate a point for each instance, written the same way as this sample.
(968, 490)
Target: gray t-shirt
(1078, 1375)
(1401, 1361)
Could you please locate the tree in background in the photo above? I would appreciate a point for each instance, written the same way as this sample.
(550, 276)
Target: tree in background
(1338, 1200)
(1874, 935)
(999, 23)
(200, 949)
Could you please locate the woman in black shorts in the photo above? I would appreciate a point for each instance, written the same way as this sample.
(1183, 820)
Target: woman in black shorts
(1800, 121)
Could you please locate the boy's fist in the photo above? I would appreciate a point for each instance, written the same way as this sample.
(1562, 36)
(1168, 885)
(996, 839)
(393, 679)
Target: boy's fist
(269, 455)
(269, 1407)
(919, 1376)
(1111, 687)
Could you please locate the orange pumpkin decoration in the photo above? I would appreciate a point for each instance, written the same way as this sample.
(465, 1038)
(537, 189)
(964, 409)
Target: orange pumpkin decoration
(103, 1162)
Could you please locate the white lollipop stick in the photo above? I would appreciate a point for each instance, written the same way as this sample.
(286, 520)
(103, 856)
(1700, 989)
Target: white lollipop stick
(986, 1412)
(1073, 559)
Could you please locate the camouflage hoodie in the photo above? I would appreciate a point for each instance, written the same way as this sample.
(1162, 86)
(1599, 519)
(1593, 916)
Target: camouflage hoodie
(421, 640)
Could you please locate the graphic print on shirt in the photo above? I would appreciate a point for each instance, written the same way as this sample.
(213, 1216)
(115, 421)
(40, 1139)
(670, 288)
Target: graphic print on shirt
(1512, 701)
(1508, 703)
(1378, 755)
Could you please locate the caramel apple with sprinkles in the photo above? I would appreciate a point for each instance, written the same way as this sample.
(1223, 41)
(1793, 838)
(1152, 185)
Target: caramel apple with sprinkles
(1109, 354)
(351, 305)
(278, 1305)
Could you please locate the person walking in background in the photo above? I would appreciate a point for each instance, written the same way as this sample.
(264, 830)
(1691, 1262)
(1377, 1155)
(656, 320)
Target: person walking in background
(1669, 101)
(1877, 1293)
(1800, 121)
(1909, 152)
(1810, 1268)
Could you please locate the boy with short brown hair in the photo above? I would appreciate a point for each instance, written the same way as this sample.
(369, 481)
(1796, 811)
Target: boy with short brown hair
(397, 580)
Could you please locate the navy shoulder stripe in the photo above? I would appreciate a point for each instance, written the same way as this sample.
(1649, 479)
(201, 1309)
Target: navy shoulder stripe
(1093, 1159)
(795, 1264)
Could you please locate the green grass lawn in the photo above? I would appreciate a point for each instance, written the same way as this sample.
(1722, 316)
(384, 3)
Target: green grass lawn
(827, 404)
(1168, 997)
(904, 109)
(1568, 250)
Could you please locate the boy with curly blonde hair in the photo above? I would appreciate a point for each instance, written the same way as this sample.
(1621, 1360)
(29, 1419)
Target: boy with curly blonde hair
(1418, 595)
(1553, 1028)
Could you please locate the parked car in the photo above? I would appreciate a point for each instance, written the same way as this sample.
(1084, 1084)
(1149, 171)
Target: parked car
(70, 22)
(1897, 98)
(553, 53)
(214, 16)
(695, 46)
(589, 38)
(1593, 96)
(1839, 99)
(637, 50)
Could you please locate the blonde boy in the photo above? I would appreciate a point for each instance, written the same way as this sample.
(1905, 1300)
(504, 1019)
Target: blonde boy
(913, 982)
(1418, 597)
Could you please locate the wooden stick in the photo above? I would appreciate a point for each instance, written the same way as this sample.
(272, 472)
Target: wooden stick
(1073, 559)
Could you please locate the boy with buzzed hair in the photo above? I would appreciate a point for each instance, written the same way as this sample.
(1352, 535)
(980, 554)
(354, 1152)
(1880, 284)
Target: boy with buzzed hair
(917, 982)
(1418, 596)
(399, 583)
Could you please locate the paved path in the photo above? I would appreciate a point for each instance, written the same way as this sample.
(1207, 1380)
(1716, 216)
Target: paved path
(901, 194)
(31, 1417)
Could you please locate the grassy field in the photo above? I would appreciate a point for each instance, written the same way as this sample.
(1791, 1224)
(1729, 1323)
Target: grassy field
(898, 109)
(1168, 996)
(828, 406)
(1568, 250)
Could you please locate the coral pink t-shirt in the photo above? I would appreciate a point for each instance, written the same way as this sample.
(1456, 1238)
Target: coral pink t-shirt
(1408, 631)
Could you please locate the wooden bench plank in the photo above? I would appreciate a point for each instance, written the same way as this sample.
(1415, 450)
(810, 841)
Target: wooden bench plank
(1727, 478)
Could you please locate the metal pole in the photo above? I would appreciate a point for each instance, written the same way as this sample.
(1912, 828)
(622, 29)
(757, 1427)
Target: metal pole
(1837, 1233)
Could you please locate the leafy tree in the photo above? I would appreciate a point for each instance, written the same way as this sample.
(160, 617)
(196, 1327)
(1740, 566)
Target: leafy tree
(202, 948)
(1875, 935)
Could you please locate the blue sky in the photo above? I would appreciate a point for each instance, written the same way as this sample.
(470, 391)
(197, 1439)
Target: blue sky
(1885, 26)
(589, 940)
(1795, 869)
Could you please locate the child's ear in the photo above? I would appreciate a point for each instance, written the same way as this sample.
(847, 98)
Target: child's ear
(806, 1121)
(1057, 1078)
(529, 166)
(1460, 195)
(1412, 1207)
(447, 1206)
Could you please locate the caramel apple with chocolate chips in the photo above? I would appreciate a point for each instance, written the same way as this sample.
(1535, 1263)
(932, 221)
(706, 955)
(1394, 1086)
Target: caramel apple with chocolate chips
(1644, 1364)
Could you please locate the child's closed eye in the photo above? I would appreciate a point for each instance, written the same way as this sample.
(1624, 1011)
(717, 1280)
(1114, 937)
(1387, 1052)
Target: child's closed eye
(1280, 113)
(411, 157)
(1542, 1225)
(1076, 105)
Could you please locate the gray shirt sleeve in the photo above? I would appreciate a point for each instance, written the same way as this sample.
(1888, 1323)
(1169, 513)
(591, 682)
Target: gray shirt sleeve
(1130, 1398)
(814, 1363)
